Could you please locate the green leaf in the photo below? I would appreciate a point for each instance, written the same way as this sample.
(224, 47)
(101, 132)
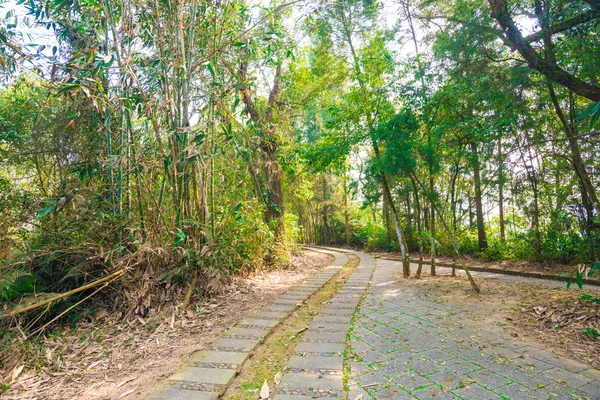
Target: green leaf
(44, 212)
(179, 236)
(569, 283)
(593, 111)
(595, 268)
(210, 68)
(579, 280)
(199, 138)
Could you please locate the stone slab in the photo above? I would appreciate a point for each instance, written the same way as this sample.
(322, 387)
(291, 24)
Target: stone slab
(279, 315)
(178, 394)
(265, 323)
(316, 363)
(328, 327)
(204, 375)
(308, 381)
(243, 345)
(310, 347)
(317, 336)
(218, 357)
(254, 333)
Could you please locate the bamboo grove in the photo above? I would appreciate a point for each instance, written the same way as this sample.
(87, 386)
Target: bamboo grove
(168, 144)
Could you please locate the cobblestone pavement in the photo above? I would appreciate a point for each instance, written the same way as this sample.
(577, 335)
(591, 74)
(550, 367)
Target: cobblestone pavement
(315, 371)
(404, 345)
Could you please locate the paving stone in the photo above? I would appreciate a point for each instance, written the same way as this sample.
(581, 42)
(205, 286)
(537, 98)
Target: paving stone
(278, 315)
(411, 381)
(204, 375)
(475, 392)
(300, 397)
(373, 379)
(423, 366)
(310, 347)
(242, 345)
(286, 301)
(333, 319)
(460, 366)
(436, 355)
(591, 373)
(336, 311)
(328, 327)
(570, 378)
(355, 391)
(514, 391)
(574, 366)
(556, 391)
(433, 392)
(218, 357)
(254, 333)
(393, 393)
(358, 368)
(488, 379)
(316, 363)
(178, 394)
(591, 389)
(360, 347)
(447, 379)
(310, 382)
(391, 368)
(265, 323)
(316, 336)
(374, 356)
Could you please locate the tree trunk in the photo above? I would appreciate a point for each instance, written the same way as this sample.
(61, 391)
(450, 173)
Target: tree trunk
(453, 205)
(346, 214)
(501, 192)
(324, 215)
(401, 238)
(432, 223)
(388, 221)
(576, 158)
(409, 230)
(481, 236)
(419, 229)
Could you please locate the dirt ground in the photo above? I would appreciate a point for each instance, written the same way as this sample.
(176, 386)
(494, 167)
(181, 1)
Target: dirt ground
(125, 360)
(544, 267)
(553, 318)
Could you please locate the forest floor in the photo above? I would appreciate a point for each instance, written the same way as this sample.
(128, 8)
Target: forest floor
(112, 359)
(544, 267)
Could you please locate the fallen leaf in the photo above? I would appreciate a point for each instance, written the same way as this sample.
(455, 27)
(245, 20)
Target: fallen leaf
(264, 390)
(127, 393)
(278, 377)
(124, 382)
(16, 372)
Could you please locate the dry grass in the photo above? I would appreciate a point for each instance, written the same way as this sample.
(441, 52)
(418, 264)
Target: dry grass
(106, 358)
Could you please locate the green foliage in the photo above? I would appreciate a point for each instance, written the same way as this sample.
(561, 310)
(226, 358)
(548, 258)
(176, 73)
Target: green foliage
(592, 332)
(593, 112)
(590, 299)
(17, 284)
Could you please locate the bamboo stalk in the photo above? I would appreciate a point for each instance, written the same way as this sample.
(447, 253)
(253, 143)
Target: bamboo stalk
(62, 295)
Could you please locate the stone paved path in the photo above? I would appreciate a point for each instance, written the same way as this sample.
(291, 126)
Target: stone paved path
(315, 371)
(409, 346)
(210, 371)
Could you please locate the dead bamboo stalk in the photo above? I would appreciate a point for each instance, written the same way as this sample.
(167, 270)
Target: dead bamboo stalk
(62, 295)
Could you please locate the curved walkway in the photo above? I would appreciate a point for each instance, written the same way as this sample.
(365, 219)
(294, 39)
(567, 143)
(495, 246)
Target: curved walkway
(406, 346)
(394, 342)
